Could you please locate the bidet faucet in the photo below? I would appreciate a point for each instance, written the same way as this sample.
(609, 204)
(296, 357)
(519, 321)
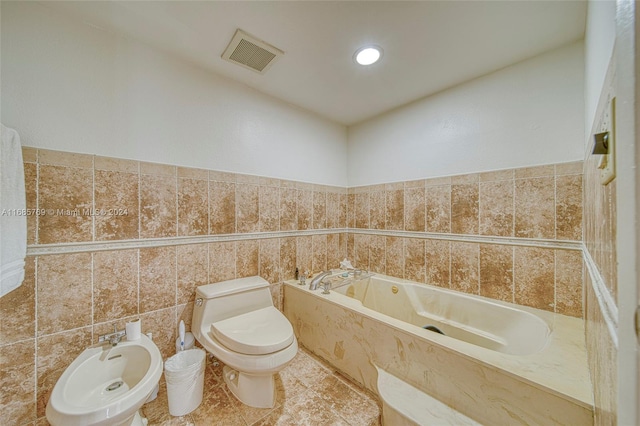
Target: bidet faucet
(113, 338)
(318, 279)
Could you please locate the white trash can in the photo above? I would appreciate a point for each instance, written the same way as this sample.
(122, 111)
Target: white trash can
(184, 373)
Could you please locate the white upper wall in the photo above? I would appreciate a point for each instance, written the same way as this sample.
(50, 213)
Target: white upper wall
(599, 39)
(73, 87)
(528, 114)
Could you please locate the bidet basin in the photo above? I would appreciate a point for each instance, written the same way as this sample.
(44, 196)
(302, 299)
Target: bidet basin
(106, 385)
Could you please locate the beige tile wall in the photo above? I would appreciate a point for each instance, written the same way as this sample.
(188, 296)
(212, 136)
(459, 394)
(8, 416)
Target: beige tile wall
(538, 202)
(600, 240)
(67, 300)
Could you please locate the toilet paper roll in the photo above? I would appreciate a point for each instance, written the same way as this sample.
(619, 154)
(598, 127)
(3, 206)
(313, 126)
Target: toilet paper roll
(133, 329)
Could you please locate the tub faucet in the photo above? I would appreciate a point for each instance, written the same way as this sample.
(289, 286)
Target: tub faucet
(318, 279)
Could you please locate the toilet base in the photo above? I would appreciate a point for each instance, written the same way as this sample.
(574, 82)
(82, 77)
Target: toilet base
(257, 391)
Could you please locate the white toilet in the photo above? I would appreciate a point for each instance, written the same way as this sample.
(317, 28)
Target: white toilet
(236, 321)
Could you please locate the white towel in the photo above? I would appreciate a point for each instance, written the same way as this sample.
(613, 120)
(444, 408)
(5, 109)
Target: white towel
(13, 219)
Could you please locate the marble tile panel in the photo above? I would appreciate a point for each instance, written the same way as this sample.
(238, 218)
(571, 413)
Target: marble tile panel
(377, 254)
(288, 258)
(464, 208)
(351, 210)
(496, 208)
(438, 263)
(158, 198)
(31, 188)
(534, 208)
(116, 192)
(222, 261)
(319, 262)
(193, 173)
(248, 179)
(377, 210)
(496, 272)
(569, 283)
(193, 207)
(269, 260)
(351, 247)
(602, 357)
(467, 179)
(162, 324)
(342, 214)
(63, 158)
(64, 192)
(438, 181)
(64, 292)
(569, 207)
(536, 171)
(304, 253)
(414, 260)
(218, 176)
(184, 312)
(361, 251)
(394, 218)
(335, 252)
(333, 210)
(362, 210)
(247, 254)
(29, 155)
(288, 209)
(439, 208)
(247, 208)
(222, 207)
(193, 270)
(54, 354)
(18, 378)
(573, 168)
(305, 209)
(497, 175)
(18, 308)
(394, 256)
(115, 285)
(115, 164)
(533, 277)
(157, 278)
(269, 205)
(157, 169)
(319, 209)
(414, 209)
(465, 274)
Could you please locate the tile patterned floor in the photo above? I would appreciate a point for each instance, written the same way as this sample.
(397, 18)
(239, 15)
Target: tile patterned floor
(310, 393)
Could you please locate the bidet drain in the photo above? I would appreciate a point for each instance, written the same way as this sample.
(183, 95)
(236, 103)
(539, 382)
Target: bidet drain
(115, 385)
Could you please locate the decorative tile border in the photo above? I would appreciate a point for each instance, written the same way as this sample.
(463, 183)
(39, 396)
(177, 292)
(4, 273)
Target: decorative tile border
(605, 300)
(95, 246)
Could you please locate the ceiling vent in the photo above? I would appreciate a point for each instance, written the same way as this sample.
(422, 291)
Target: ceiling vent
(251, 53)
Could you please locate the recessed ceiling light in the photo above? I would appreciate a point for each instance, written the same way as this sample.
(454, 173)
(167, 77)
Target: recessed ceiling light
(368, 55)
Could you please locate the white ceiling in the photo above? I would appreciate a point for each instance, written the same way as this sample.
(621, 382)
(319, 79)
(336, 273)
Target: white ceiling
(428, 45)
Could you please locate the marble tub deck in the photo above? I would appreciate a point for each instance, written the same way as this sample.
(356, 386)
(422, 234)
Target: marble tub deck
(310, 393)
(341, 330)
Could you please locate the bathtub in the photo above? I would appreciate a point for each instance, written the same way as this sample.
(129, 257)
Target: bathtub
(496, 363)
(479, 322)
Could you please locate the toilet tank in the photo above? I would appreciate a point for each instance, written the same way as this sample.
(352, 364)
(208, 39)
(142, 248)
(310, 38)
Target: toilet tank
(226, 299)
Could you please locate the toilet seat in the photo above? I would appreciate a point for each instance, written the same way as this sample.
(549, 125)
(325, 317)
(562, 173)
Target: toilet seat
(259, 332)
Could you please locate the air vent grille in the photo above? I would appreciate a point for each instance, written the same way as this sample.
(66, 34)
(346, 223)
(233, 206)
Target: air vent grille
(250, 52)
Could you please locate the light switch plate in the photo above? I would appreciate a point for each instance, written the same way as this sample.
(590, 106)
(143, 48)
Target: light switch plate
(608, 162)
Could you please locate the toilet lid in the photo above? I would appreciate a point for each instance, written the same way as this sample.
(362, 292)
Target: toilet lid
(259, 332)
